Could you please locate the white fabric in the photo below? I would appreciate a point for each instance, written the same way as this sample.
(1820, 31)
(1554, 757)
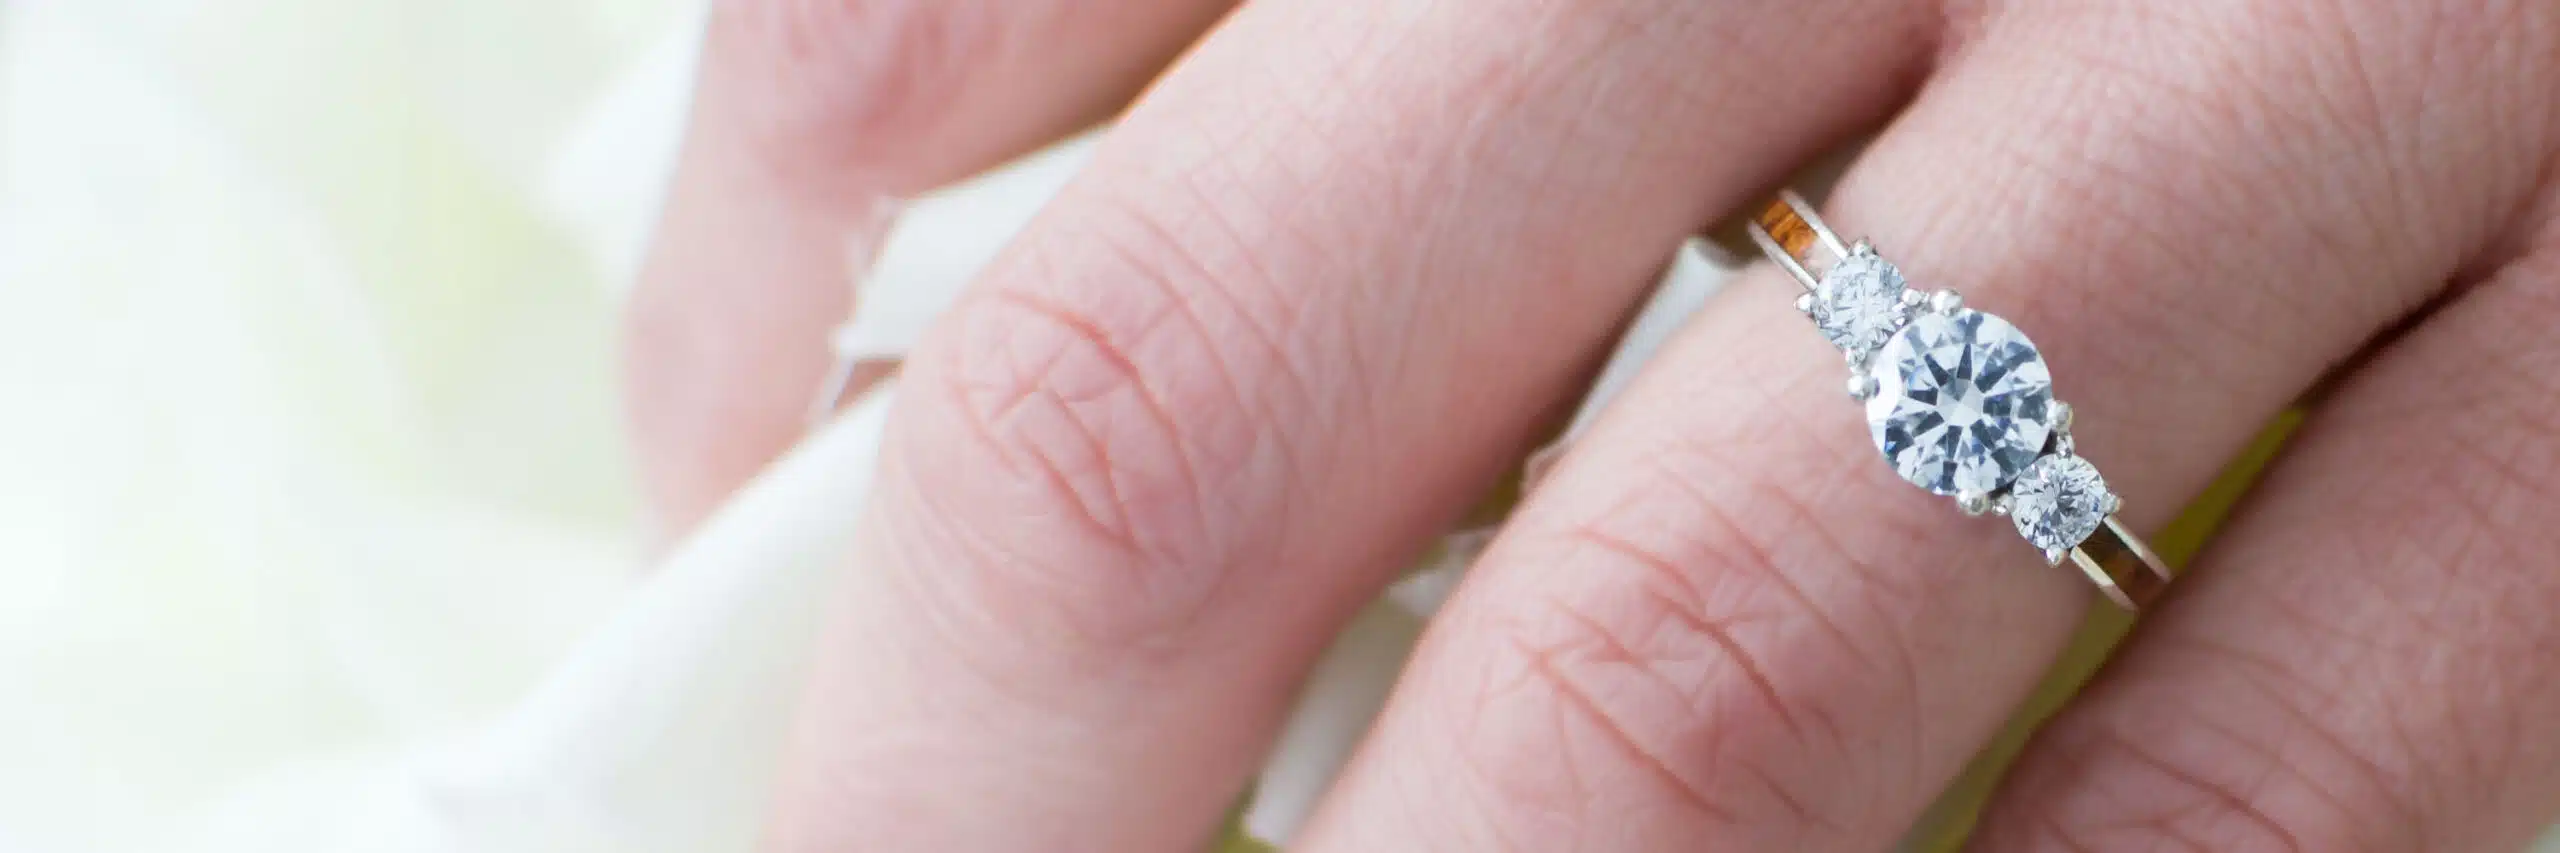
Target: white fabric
(318, 534)
(946, 238)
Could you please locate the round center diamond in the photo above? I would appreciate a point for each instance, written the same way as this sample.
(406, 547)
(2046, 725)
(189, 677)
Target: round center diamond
(2059, 501)
(1962, 402)
(1858, 302)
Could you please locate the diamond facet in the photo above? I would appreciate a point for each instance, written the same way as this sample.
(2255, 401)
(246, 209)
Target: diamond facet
(2058, 501)
(1962, 402)
(1858, 302)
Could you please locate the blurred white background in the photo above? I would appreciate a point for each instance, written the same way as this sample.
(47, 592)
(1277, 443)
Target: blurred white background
(310, 448)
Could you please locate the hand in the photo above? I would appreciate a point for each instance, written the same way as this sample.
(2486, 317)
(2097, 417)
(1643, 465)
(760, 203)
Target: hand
(1321, 286)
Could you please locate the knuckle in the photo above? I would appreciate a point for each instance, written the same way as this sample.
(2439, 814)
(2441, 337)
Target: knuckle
(1581, 712)
(1691, 661)
(1664, 609)
(815, 85)
(2174, 796)
(2251, 764)
(1087, 409)
(1062, 426)
(1624, 682)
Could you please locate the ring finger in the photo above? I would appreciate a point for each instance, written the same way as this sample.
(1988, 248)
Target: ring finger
(1722, 624)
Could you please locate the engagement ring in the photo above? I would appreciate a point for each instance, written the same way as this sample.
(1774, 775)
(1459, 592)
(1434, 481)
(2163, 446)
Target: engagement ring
(1959, 402)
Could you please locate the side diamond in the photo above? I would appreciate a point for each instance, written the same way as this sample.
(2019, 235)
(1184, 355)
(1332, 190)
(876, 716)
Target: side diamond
(2058, 501)
(1858, 302)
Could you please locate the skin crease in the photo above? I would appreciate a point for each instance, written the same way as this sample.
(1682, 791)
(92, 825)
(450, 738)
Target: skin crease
(2404, 512)
(810, 113)
(1315, 289)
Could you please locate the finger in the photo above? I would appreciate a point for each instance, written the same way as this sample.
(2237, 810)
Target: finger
(1302, 307)
(2368, 661)
(1723, 624)
(809, 116)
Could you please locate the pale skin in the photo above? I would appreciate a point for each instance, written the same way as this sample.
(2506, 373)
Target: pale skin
(1330, 275)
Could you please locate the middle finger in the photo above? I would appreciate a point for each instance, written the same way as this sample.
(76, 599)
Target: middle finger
(1723, 624)
(1201, 410)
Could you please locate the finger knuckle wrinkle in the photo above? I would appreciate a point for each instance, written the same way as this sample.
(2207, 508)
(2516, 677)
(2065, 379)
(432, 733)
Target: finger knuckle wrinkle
(1667, 610)
(1703, 572)
(2214, 784)
(1572, 680)
(1094, 429)
(1703, 750)
(1672, 680)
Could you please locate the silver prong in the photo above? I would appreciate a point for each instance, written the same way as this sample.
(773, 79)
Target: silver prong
(2114, 503)
(1973, 502)
(1861, 387)
(2054, 556)
(1862, 248)
(2059, 418)
(1804, 303)
(2000, 505)
(1945, 302)
(2063, 445)
(1913, 302)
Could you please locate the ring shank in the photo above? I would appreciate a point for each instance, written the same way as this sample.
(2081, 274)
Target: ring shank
(1787, 230)
(1786, 226)
(2121, 566)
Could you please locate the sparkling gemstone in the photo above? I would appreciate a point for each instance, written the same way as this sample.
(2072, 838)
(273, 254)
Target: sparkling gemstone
(1858, 301)
(1962, 402)
(2058, 501)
